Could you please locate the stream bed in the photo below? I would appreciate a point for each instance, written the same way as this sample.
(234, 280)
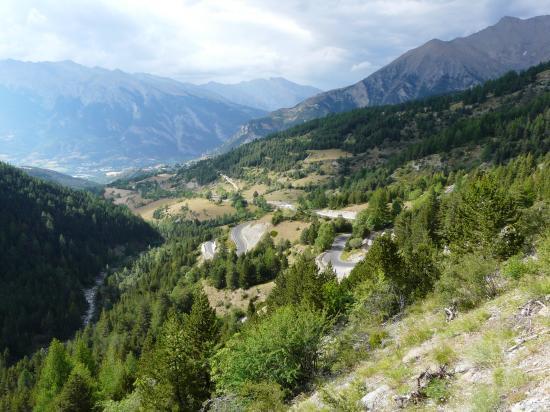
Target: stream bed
(90, 295)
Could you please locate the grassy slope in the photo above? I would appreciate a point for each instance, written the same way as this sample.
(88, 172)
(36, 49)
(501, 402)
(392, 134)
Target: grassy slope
(479, 347)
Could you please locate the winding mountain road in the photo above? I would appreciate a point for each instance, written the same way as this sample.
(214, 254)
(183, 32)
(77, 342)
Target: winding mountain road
(247, 235)
(333, 214)
(334, 256)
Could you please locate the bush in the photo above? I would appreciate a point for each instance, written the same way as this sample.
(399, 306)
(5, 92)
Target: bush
(341, 225)
(467, 282)
(487, 352)
(515, 268)
(375, 301)
(354, 243)
(444, 355)
(263, 396)
(438, 390)
(277, 218)
(281, 348)
(485, 399)
(325, 236)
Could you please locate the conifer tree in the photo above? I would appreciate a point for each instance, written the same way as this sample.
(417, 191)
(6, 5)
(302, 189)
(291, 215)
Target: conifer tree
(56, 370)
(77, 394)
(175, 375)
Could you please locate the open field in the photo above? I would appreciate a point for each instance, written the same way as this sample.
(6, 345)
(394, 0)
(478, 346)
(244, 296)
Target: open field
(356, 208)
(161, 179)
(313, 179)
(285, 195)
(223, 300)
(199, 208)
(147, 210)
(222, 185)
(248, 193)
(289, 230)
(130, 198)
(326, 155)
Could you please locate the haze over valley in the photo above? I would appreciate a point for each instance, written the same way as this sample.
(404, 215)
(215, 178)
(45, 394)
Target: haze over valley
(182, 228)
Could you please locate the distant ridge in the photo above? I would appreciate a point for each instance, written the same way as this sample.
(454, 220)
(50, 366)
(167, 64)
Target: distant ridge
(433, 68)
(62, 179)
(264, 94)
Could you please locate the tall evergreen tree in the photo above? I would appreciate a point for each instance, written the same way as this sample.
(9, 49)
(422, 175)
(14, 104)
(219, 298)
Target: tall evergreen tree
(56, 370)
(175, 375)
(77, 394)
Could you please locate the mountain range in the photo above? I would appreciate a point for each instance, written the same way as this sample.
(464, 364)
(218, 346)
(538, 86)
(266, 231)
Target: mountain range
(265, 94)
(434, 68)
(88, 121)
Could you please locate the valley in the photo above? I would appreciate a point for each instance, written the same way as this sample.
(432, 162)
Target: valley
(378, 247)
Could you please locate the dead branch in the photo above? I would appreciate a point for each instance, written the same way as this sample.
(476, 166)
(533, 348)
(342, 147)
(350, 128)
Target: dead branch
(422, 381)
(451, 312)
(526, 339)
(531, 307)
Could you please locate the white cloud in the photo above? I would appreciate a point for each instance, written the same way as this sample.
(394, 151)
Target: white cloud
(362, 66)
(327, 43)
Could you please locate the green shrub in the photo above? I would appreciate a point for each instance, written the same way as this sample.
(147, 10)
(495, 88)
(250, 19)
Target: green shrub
(515, 268)
(485, 399)
(487, 352)
(444, 355)
(375, 301)
(354, 243)
(438, 390)
(325, 237)
(416, 334)
(467, 282)
(281, 348)
(262, 396)
(346, 399)
(277, 218)
(376, 337)
(273, 233)
(469, 322)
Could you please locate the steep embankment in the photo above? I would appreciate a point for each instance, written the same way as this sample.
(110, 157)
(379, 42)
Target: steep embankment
(494, 356)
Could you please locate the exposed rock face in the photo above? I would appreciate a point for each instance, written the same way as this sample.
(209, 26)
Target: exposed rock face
(433, 68)
(376, 400)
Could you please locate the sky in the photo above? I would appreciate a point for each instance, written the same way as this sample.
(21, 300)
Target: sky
(324, 43)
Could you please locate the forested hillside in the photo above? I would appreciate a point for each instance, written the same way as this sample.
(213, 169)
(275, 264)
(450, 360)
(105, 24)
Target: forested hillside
(457, 222)
(54, 242)
(500, 115)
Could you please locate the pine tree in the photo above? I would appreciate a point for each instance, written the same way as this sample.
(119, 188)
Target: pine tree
(485, 219)
(77, 393)
(57, 367)
(176, 373)
(325, 237)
